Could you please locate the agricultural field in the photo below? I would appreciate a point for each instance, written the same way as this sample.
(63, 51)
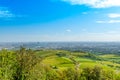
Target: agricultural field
(27, 64)
(65, 59)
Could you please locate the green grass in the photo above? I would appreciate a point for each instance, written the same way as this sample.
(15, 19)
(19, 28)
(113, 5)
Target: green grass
(57, 62)
(108, 61)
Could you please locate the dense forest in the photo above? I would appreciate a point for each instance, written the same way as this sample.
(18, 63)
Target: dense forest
(28, 64)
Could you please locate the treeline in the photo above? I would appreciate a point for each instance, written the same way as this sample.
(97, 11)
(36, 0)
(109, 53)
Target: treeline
(25, 64)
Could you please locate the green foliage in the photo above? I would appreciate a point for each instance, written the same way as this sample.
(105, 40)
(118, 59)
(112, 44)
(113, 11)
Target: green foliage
(92, 73)
(60, 54)
(26, 60)
(71, 74)
(7, 65)
(108, 75)
(27, 64)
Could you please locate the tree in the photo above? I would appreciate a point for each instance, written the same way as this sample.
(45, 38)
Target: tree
(26, 60)
(7, 64)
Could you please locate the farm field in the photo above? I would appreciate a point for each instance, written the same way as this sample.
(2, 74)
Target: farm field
(66, 59)
(27, 64)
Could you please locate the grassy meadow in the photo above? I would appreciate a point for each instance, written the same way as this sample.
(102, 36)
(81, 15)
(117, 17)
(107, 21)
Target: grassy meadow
(27, 64)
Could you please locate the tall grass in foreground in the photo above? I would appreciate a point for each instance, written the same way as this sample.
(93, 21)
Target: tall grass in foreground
(26, 65)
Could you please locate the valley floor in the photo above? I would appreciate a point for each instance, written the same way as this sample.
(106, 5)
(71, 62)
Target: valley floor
(27, 64)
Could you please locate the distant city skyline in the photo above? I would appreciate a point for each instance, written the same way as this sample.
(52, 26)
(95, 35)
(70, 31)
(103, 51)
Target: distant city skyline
(59, 20)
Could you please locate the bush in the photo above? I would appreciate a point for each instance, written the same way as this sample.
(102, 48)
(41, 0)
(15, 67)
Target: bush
(26, 65)
(7, 65)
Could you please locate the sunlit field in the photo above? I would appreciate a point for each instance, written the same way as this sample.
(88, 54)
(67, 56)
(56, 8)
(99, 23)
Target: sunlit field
(27, 64)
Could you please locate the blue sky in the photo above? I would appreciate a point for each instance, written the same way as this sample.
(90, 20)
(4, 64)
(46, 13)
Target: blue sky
(59, 20)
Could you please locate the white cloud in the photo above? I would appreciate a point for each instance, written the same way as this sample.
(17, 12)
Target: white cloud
(95, 3)
(100, 21)
(113, 32)
(114, 21)
(110, 21)
(6, 13)
(84, 13)
(111, 15)
(114, 15)
(68, 30)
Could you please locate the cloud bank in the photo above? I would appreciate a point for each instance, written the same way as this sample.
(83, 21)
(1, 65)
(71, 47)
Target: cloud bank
(110, 21)
(114, 18)
(114, 15)
(5, 13)
(95, 3)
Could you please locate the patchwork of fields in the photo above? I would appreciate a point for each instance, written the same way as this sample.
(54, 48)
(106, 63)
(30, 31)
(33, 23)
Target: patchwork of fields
(65, 59)
(27, 64)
